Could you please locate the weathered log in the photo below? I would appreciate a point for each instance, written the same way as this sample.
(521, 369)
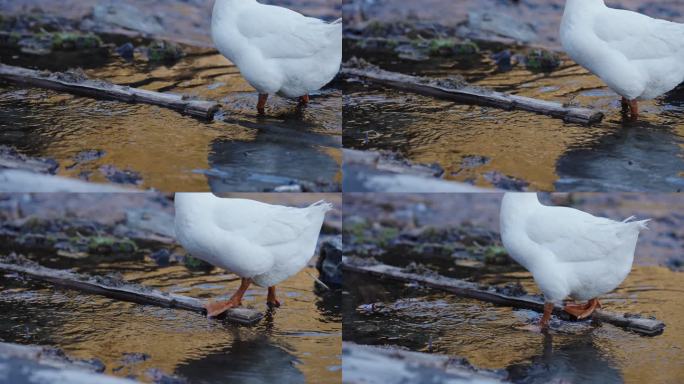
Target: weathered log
(467, 94)
(643, 326)
(120, 290)
(77, 83)
(371, 365)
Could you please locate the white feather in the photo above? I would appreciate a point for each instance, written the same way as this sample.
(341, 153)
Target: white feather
(637, 56)
(267, 243)
(276, 49)
(569, 252)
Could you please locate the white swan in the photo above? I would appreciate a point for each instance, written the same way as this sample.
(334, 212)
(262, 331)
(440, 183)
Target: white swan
(277, 50)
(570, 253)
(638, 57)
(263, 244)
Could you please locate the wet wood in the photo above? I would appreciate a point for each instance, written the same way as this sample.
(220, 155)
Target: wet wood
(76, 83)
(377, 365)
(467, 94)
(119, 290)
(643, 326)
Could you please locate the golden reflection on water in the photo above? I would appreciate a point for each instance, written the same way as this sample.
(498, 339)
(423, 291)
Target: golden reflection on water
(88, 326)
(519, 144)
(649, 291)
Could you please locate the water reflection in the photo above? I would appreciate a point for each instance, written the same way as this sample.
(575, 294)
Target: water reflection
(167, 148)
(546, 152)
(569, 361)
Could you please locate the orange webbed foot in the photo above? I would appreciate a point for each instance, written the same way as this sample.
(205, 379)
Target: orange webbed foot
(582, 311)
(217, 308)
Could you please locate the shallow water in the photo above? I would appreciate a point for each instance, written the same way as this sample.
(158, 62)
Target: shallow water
(238, 151)
(550, 155)
(298, 342)
(491, 337)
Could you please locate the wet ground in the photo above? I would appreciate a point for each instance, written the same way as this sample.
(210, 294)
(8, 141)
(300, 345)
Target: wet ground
(546, 153)
(299, 342)
(491, 337)
(159, 148)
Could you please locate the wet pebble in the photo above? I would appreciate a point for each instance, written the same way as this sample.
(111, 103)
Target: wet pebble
(134, 357)
(126, 51)
(118, 176)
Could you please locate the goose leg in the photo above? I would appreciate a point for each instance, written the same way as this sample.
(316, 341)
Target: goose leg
(634, 109)
(261, 106)
(625, 105)
(582, 311)
(216, 308)
(271, 300)
(304, 100)
(546, 318)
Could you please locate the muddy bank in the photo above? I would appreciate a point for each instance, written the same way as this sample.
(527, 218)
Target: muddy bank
(187, 21)
(454, 217)
(532, 21)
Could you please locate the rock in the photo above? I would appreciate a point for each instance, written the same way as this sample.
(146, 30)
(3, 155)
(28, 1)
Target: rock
(127, 16)
(159, 377)
(133, 358)
(501, 24)
(163, 51)
(87, 156)
(11, 159)
(504, 182)
(329, 263)
(541, 60)
(118, 176)
(126, 51)
(162, 257)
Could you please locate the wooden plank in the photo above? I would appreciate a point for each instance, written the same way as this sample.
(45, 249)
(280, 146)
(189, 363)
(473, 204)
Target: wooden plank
(642, 326)
(468, 94)
(119, 290)
(76, 83)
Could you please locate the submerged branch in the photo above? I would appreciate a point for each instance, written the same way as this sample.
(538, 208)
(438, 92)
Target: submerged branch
(119, 290)
(643, 326)
(77, 83)
(468, 94)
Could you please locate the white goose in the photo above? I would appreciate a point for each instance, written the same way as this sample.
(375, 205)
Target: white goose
(263, 244)
(570, 253)
(638, 57)
(277, 50)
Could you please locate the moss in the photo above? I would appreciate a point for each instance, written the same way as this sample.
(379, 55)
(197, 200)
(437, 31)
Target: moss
(71, 41)
(105, 244)
(496, 255)
(541, 60)
(195, 264)
(466, 48)
(162, 51)
(376, 29)
(441, 47)
(385, 236)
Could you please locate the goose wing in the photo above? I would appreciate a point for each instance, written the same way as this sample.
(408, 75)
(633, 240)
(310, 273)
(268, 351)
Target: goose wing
(637, 36)
(259, 223)
(280, 33)
(572, 235)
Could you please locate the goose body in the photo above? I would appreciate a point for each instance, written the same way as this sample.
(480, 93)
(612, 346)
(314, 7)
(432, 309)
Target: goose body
(277, 50)
(637, 56)
(262, 242)
(570, 253)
